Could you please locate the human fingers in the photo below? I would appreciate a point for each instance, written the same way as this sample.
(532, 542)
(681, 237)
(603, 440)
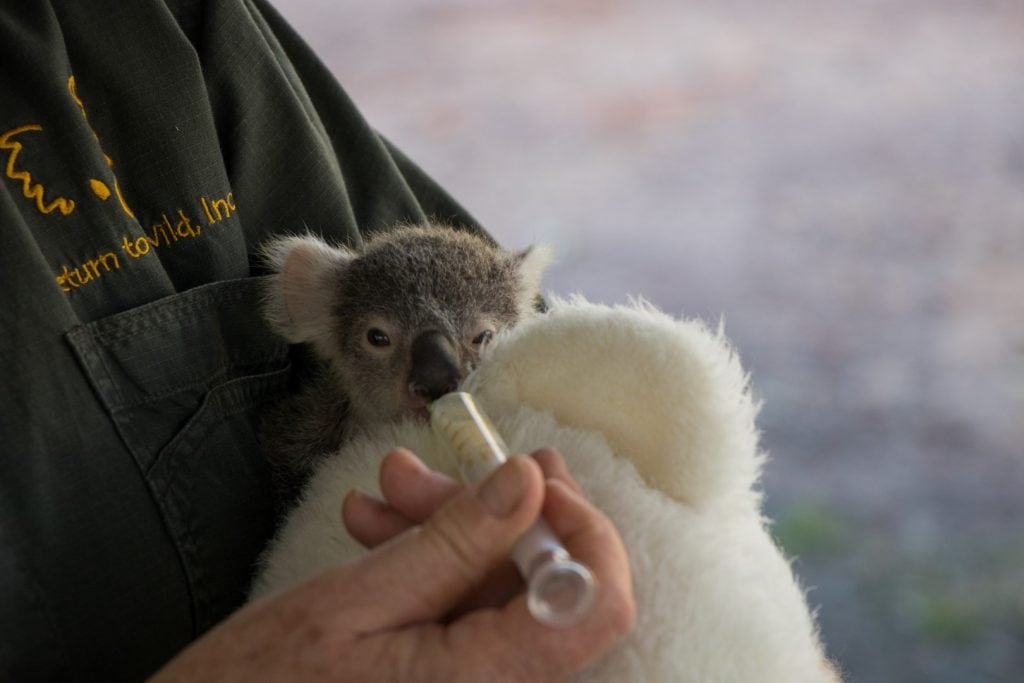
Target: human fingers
(553, 465)
(417, 491)
(512, 641)
(425, 572)
(502, 585)
(414, 492)
(411, 488)
(370, 520)
(591, 538)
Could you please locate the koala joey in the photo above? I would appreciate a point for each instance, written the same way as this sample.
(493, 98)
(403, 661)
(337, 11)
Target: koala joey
(391, 326)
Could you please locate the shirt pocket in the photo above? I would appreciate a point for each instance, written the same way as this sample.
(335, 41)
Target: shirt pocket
(184, 379)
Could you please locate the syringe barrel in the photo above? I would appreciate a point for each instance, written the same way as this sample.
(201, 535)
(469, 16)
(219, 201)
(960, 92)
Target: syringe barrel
(560, 590)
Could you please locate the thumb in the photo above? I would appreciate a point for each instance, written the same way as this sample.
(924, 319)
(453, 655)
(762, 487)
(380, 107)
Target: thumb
(424, 573)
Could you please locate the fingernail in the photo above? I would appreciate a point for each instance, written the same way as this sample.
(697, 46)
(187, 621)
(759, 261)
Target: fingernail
(501, 492)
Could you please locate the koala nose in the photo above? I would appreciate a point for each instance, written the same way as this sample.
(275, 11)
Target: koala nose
(435, 366)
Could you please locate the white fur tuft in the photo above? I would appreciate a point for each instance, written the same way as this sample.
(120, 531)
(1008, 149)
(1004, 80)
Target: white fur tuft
(302, 290)
(656, 422)
(531, 264)
(651, 384)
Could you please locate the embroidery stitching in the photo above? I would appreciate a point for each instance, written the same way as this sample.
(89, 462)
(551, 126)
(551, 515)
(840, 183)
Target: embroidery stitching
(98, 187)
(173, 226)
(34, 191)
(79, 276)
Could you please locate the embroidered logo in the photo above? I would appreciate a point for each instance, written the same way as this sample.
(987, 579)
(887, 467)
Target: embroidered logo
(31, 188)
(98, 187)
(174, 224)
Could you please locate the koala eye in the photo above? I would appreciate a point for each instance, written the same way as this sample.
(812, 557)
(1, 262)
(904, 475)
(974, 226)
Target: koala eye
(377, 338)
(484, 336)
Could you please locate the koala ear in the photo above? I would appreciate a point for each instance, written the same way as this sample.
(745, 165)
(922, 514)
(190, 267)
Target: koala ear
(530, 264)
(303, 290)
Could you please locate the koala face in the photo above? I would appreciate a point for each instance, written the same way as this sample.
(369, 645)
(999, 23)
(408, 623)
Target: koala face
(402, 321)
(388, 366)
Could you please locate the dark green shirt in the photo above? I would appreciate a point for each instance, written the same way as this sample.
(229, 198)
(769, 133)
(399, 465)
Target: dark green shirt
(146, 148)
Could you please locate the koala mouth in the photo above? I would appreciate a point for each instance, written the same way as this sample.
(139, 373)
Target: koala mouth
(416, 403)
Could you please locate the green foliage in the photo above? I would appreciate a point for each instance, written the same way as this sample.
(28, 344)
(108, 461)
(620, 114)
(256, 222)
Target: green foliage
(949, 619)
(809, 529)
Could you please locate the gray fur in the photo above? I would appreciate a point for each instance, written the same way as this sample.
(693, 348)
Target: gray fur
(407, 282)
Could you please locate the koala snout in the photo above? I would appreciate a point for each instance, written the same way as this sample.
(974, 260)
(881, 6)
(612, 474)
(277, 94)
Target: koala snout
(435, 366)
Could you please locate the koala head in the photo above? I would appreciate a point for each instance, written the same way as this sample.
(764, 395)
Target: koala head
(402, 320)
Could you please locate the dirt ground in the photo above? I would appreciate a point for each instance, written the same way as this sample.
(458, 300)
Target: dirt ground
(843, 183)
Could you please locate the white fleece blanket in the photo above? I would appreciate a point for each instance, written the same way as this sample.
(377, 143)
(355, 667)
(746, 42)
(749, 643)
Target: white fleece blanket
(656, 421)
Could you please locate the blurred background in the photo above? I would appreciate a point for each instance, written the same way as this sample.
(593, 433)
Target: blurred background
(843, 184)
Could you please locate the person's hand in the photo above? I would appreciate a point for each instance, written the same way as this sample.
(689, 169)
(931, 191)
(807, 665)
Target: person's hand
(412, 493)
(434, 600)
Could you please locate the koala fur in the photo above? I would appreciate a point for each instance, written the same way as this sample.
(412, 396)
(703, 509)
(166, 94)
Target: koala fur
(391, 326)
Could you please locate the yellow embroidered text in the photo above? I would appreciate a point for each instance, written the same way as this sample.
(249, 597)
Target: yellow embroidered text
(173, 226)
(219, 209)
(29, 188)
(79, 276)
(161, 234)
